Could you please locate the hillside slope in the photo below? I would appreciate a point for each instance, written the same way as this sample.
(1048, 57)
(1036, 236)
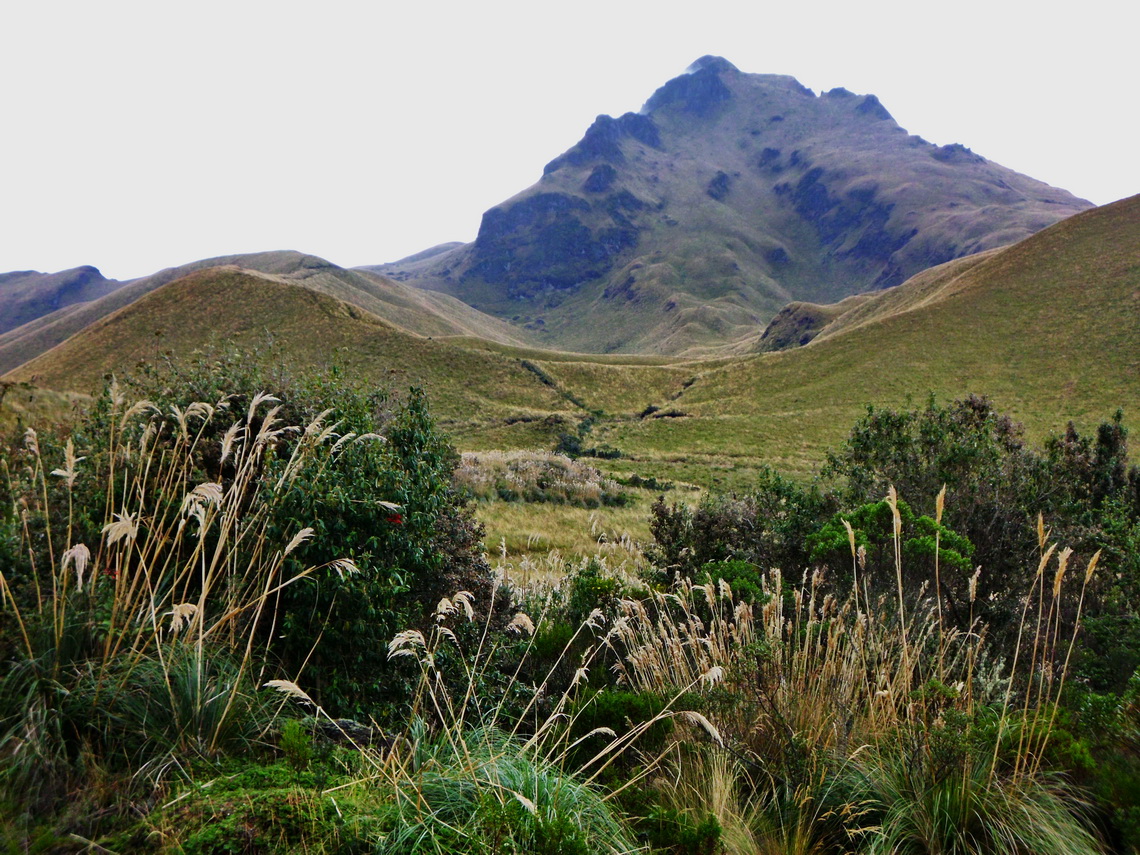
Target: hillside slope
(690, 224)
(417, 311)
(1049, 328)
(291, 327)
(28, 294)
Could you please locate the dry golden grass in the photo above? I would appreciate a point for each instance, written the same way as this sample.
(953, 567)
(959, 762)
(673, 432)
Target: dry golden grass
(531, 542)
(535, 476)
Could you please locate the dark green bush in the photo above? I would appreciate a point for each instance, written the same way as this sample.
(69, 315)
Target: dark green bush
(669, 830)
(767, 527)
(743, 577)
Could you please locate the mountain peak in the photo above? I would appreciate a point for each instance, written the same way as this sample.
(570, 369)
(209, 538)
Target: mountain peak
(717, 64)
(730, 194)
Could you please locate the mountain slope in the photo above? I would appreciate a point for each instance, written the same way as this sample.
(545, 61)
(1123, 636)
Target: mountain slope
(422, 312)
(692, 223)
(290, 326)
(27, 294)
(1049, 328)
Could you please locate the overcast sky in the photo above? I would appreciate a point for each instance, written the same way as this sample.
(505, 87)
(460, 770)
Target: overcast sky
(143, 135)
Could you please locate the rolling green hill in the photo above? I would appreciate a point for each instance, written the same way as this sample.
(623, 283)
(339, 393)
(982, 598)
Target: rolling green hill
(417, 311)
(292, 326)
(1047, 328)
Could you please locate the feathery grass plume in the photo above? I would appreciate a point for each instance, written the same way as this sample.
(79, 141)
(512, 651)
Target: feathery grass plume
(344, 567)
(300, 537)
(181, 615)
(522, 624)
(179, 608)
(1062, 566)
(124, 527)
(69, 471)
(288, 687)
(79, 555)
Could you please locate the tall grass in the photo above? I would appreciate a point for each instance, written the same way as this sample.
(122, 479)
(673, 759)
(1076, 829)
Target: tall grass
(867, 723)
(142, 595)
(475, 772)
(536, 476)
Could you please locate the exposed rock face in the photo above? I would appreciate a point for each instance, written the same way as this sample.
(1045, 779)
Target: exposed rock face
(726, 197)
(544, 242)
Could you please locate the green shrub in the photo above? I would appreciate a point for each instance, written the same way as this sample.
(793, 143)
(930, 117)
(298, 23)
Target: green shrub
(767, 527)
(296, 743)
(669, 830)
(743, 577)
(872, 527)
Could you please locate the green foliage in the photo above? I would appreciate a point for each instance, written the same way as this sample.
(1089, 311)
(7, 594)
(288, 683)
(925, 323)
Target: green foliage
(669, 830)
(921, 805)
(921, 539)
(266, 809)
(996, 485)
(296, 743)
(591, 588)
(620, 711)
(767, 527)
(377, 492)
(388, 506)
(743, 577)
(492, 796)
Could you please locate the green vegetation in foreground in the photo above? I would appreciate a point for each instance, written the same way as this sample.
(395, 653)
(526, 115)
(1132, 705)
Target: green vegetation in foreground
(213, 594)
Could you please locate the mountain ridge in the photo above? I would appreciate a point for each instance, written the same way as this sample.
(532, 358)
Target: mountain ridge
(687, 226)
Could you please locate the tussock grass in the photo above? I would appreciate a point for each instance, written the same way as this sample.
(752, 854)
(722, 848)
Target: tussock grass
(865, 723)
(468, 776)
(144, 633)
(535, 476)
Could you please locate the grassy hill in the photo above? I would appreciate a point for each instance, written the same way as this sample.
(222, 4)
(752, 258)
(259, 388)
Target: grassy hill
(417, 311)
(1048, 328)
(293, 326)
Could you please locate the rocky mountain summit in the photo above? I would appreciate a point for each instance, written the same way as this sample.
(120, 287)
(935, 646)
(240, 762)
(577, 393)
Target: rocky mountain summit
(688, 225)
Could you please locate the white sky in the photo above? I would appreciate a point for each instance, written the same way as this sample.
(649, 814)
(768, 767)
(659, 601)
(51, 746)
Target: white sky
(142, 135)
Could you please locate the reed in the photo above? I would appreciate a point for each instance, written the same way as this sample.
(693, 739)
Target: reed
(856, 721)
(143, 593)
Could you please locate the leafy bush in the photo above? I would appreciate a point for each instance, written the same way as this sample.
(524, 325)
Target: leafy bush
(871, 538)
(996, 485)
(743, 578)
(767, 527)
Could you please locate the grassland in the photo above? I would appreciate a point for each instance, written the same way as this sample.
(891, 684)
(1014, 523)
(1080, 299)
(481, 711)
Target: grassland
(1046, 328)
